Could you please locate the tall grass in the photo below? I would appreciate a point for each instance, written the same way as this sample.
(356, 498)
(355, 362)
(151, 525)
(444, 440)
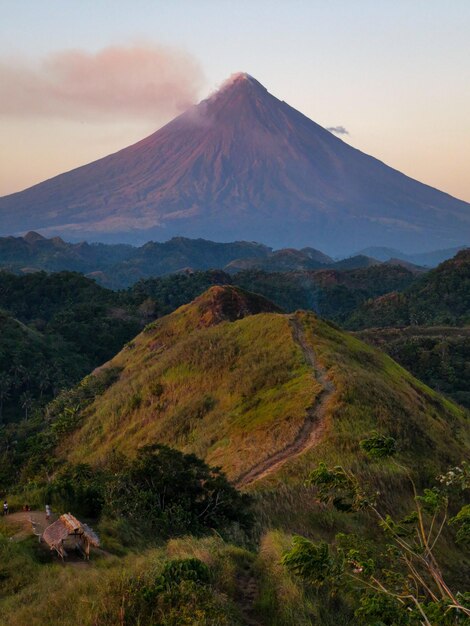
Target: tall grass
(233, 393)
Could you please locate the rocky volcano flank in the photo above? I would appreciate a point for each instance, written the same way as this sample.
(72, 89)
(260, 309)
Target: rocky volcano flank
(241, 164)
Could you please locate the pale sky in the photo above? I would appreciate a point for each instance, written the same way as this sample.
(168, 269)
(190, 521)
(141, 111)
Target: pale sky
(80, 79)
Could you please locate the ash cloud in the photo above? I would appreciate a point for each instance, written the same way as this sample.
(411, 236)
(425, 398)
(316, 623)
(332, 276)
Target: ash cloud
(338, 130)
(140, 81)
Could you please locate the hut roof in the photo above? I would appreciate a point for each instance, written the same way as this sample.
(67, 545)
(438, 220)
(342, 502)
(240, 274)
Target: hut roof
(67, 525)
(55, 533)
(91, 535)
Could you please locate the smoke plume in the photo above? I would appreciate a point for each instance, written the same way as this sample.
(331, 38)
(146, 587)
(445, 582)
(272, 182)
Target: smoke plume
(135, 81)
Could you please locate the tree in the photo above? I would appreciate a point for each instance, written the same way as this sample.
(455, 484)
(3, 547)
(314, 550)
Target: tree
(166, 492)
(403, 583)
(26, 402)
(78, 488)
(5, 386)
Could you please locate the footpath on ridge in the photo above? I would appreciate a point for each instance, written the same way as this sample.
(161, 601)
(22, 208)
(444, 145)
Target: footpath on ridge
(314, 425)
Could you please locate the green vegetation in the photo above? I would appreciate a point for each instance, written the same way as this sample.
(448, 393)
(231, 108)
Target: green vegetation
(205, 384)
(234, 392)
(440, 297)
(54, 330)
(226, 378)
(171, 292)
(166, 493)
(331, 293)
(401, 581)
(28, 446)
(32, 366)
(168, 586)
(439, 356)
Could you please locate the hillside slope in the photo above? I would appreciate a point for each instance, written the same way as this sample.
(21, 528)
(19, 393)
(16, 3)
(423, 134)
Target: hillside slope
(54, 329)
(441, 296)
(242, 164)
(228, 377)
(437, 355)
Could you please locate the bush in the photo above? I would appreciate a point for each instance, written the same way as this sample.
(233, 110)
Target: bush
(77, 488)
(180, 594)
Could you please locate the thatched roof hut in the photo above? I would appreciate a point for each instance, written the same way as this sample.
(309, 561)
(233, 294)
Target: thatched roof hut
(69, 532)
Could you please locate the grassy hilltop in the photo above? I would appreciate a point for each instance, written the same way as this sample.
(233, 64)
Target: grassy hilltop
(224, 377)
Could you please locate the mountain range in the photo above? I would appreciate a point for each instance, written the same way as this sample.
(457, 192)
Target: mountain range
(121, 265)
(242, 164)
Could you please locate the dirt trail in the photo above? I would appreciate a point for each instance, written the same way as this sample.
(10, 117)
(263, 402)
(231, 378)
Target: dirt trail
(313, 427)
(23, 519)
(247, 594)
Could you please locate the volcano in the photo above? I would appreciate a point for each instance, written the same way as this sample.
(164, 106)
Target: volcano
(241, 165)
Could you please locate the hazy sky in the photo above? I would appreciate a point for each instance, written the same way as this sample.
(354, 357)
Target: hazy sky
(82, 78)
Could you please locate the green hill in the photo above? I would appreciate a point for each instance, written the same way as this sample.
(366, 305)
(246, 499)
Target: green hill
(437, 355)
(262, 393)
(441, 296)
(30, 362)
(56, 329)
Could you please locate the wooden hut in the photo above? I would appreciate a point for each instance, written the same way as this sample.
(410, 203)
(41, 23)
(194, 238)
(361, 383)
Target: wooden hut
(68, 533)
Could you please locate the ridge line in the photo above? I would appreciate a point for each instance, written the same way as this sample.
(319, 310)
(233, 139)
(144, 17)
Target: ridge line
(314, 425)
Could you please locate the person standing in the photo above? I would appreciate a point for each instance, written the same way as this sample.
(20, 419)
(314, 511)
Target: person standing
(5, 508)
(48, 512)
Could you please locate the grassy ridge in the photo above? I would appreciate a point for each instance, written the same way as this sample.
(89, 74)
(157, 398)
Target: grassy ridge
(224, 377)
(232, 392)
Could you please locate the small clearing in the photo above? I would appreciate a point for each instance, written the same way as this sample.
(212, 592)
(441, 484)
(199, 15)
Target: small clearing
(28, 523)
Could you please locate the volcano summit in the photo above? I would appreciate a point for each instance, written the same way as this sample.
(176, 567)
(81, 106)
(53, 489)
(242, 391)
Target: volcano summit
(242, 165)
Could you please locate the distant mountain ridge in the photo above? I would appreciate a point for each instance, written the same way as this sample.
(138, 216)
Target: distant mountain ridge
(426, 259)
(120, 265)
(241, 165)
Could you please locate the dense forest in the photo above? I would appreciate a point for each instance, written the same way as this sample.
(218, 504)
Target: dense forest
(439, 356)
(441, 296)
(55, 329)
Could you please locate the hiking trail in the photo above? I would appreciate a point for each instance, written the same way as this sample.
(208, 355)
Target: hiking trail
(247, 595)
(314, 425)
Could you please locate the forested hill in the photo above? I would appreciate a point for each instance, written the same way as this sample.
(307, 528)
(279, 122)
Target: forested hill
(442, 296)
(119, 265)
(55, 329)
